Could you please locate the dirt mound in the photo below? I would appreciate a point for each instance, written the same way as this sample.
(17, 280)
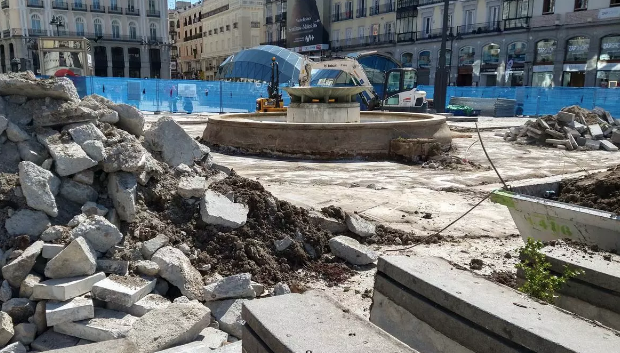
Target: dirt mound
(600, 191)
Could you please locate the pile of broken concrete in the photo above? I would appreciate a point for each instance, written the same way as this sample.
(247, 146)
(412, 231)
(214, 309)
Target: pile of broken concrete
(70, 173)
(573, 128)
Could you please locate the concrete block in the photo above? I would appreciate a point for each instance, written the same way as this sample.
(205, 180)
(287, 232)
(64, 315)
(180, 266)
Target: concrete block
(608, 146)
(352, 251)
(117, 267)
(6, 328)
(594, 145)
(555, 134)
(149, 247)
(308, 332)
(228, 315)
(39, 316)
(281, 289)
(142, 306)
(327, 223)
(561, 147)
(360, 226)
(92, 208)
(565, 117)
(68, 156)
(596, 131)
(212, 337)
(572, 141)
(191, 187)
(75, 309)
(236, 286)
(122, 190)
(16, 347)
(113, 346)
(128, 156)
(6, 292)
(235, 347)
(65, 288)
(78, 192)
(147, 268)
(581, 141)
(177, 269)
(164, 328)
(82, 132)
(106, 325)
(192, 347)
(50, 250)
(51, 340)
(20, 309)
(124, 290)
(28, 222)
(543, 124)
(54, 232)
(86, 177)
(24, 333)
(217, 209)
(77, 259)
(25, 290)
(95, 150)
(101, 234)
(175, 145)
(16, 271)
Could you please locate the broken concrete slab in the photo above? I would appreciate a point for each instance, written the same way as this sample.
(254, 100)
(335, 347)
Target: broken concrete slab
(65, 288)
(142, 306)
(228, 315)
(191, 187)
(39, 187)
(83, 132)
(281, 289)
(130, 119)
(92, 208)
(24, 334)
(608, 146)
(94, 150)
(113, 346)
(360, 226)
(70, 158)
(177, 269)
(32, 151)
(6, 328)
(283, 243)
(126, 156)
(327, 223)
(25, 290)
(16, 347)
(26, 84)
(147, 268)
(117, 267)
(565, 117)
(106, 325)
(51, 340)
(149, 247)
(164, 328)
(77, 259)
(593, 145)
(20, 309)
(123, 290)
(212, 337)
(352, 251)
(101, 234)
(176, 146)
(28, 222)
(596, 131)
(75, 309)
(39, 316)
(86, 177)
(236, 286)
(64, 114)
(54, 232)
(122, 190)
(15, 134)
(6, 292)
(16, 271)
(78, 192)
(217, 209)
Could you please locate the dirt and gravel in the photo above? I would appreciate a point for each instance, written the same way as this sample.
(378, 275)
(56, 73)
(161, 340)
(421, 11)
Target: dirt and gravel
(600, 191)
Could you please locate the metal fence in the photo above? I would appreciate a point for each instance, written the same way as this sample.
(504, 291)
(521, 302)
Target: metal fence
(217, 96)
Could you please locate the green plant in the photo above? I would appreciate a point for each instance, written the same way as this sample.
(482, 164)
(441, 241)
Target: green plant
(539, 282)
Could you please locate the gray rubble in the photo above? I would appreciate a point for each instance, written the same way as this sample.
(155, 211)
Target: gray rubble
(236, 286)
(177, 269)
(31, 223)
(360, 226)
(352, 251)
(219, 210)
(40, 187)
(228, 315)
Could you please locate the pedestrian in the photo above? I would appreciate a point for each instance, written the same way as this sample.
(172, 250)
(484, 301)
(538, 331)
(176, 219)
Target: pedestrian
(207, 92)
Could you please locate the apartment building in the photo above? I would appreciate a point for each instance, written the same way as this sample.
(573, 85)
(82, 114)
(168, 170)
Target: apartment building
(127, 37)
(275, 22)
(190, 42)
(229, 27)
(572, 43)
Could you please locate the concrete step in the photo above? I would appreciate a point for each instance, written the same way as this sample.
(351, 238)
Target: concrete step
(312, 322)
(434, 307)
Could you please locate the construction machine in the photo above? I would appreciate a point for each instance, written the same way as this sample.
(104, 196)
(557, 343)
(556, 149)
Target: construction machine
(274, 102)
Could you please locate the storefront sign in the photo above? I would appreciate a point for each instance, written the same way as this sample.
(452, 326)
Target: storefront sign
(305, 24)
(466, 56)
(574, 67)
(612, 12)
(516, 52)
(603, 66)
(543, 68)
(490, 54)
(424, 59)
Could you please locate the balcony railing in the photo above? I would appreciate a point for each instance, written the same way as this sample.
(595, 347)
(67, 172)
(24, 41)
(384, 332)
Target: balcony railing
(254, 24)
(407, 37)
(516, 23)
(407, 4)
(281, 17)
(6, 33)
(115, 9)
(132, 11)
(5, 4)
(363, 41)
(433, 34)
(97, 8)
(35, 3)
(479, 28)
(79, 6)
(153, 13)
(268, 20)
(431, 2)
(343, 16)
(60, 5)
(361, 12)
(35, 32)
(383, 8)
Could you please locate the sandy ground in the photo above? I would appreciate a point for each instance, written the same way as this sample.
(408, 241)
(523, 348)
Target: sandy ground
(398, 195)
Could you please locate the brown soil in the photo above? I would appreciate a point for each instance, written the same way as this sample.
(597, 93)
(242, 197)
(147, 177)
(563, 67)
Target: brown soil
(504, 277)
(600, 191)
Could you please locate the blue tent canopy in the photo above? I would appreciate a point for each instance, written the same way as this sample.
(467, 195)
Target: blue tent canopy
(255, 64)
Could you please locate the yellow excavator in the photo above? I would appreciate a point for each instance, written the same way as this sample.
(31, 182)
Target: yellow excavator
(274, 102)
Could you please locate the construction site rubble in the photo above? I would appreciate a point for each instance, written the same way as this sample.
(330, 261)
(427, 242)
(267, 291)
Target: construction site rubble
(123, 237)
(573, 129)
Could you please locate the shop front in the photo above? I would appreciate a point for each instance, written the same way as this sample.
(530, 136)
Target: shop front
(424, 67)
(515, 64)
(574, 72)
(465, 75)
(608, 66)
(542, 71)
(448, 64)
(490, 63)
(406, 59)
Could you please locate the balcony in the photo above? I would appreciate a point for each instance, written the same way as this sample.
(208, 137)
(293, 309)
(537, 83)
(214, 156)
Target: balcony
(281, 17)
(343, 16)
(79, 6)
(6, 33)
(235, 26)
(5, 4)
(407, 4)
(153, 13)
(254, 24)
(433, 34)
(380, 9)
(36, 32)
(60, 5)
(511, 24)
(363, 41)
(268, 20)
(407, 37)
(97, 8)
(132, 11)
(35, 3)
(361, 12)
(115, 9)
(479, 28)
(431, 2)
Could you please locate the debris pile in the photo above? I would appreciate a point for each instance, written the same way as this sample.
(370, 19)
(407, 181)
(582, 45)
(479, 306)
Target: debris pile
(109, 231)
(573, 129)
(600, 191)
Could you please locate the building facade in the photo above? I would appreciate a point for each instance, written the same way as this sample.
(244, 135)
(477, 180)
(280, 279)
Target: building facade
(189, 43)
(128, 38)
(573, 43)
(275, 23)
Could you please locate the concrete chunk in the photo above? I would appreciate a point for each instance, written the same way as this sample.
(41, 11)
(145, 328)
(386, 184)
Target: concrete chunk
(142, 306)
(327, 223)
(191, 187)
(149, 247)
(15, 133)
(26, 84)
(16, 271)
(608, 146)
(25, 290)
(24, 334)
(20, 309)
(32, 151)
(70, 158)
(177, 269)
(78, 192)
(228, 315)
(164, 328)
(101, 234)
(192, 347)
(565, 117)
(92, 208)
(176, 146)
(83, 132)
(51, 340)
(6, 292)
(352, 251)
(281, 289)
(360, 226)
(65, 288)
(123, 290)
(615, 136)
(76, 309)
(117, 267)
(237, 286)
(594, 145)
(130, 118)
(4, 123)
(147, 268)
(125, 156)
(39, 317)
(16, 347)
(106, 325)
(77, 259)
(94, 150)
(28, 222)
(113, 346)
(86, 177)
(54, 232)
(51, 250)
(212, 337)
(218, 210)
(122, 190)
(39, 187)
(6, 328)
(596, 131)
(235, 347)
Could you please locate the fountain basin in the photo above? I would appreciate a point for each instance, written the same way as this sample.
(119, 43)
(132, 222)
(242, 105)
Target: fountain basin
(271, 133)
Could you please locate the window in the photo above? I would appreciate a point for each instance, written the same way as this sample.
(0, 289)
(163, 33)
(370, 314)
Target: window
(448, 57)
(466, 56)
(348, 6)
(581, 5)
(548, 6)
(152, 5)
(490, 54)
(337, 11)
(516, 52)
(336, 35)
(79, 26)
(35, 22)
(133, 30)
(424, 59)
(153, 31)
(406, 59)
(131, 5)
(577, 49)
(114, 4)
(98, 25)
(614, 3)
(361, 32)
(116, 29)
(469, 20)
(427, 25)
(493, 15)
(545, 51)
(610, 48)
(348, 35)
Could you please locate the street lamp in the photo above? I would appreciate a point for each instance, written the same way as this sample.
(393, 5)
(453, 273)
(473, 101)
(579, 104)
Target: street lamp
(58, 22)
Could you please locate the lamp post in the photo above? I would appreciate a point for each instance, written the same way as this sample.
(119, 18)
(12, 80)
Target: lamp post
(58, 22)
(441, 84)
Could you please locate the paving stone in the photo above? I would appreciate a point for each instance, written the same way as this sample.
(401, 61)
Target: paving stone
(147, 268)
(70, 158)
(32, 151)
(149, 247)
(608, 146)
(327, 223)
(192, 347)
(122, 190)
(217, 209)
(78, 192)
(117, 267)
(212, 337)
(113, 346)
(39, 316)
(175, 325)
(15, 133)
(177, 269)
(142, 306)
(54, 232)
(51, 340)
(66, 288)
(352, 251)
(77, 259)
(191, 187)
(176, 146)
(281, 289)
(259, 289)
(39, 187)
(101, 234)
(20, 309)
(25, 290)
(596, 131)
(51, 250)
(594, 145)
(24, 333)
(28, 222)
(6, 328)
(95, 150)
(92, 208)
(86, 177)
(16, 347)
(360, 226)
(235, 347)
(106, 325)
(123, 290)
(565, 117)
(236, 286)
(75, 309)
(6, 292)
(16, 271)
(228, 315)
